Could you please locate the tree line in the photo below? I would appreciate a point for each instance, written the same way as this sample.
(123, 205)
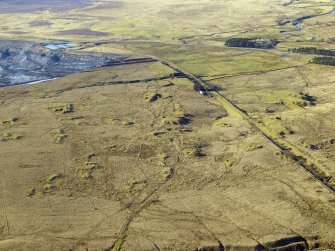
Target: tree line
(323, 60)
(314, 50)
(251, 43)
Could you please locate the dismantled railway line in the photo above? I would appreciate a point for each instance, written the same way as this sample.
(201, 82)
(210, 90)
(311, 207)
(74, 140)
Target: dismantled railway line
(315, 169)
(287, 149)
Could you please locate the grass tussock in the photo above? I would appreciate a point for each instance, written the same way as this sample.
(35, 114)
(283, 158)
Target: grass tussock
(51, 183)
(48, 187)
(276, 126)
(116, 121)
(193, 152)
(9, 122)
(161, 159)
(229, 162)
(73, 120)
(59, 136)
(167, 173)
(67, 108)
(89, 168)
(54, 177)
(5, 137)
(159, 134)
(176, 117)
(31, 192)
(127, 122)
(112, 121)
(135, 186)
(152, 96)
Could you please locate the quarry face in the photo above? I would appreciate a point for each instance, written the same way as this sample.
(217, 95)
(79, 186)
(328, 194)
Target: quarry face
(26, 62)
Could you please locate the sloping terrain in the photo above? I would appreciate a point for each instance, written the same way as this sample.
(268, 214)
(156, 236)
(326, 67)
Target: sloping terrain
(188, 143)
(146, 166)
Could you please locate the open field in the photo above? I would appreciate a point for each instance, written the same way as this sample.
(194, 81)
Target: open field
(176, 170)
(184, 145)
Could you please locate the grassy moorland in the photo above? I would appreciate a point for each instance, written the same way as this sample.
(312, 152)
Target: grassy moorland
(134, 157)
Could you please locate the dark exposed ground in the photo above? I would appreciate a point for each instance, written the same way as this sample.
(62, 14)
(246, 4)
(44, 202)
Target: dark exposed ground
(83, 32)
(22, 62)
(27, 6)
